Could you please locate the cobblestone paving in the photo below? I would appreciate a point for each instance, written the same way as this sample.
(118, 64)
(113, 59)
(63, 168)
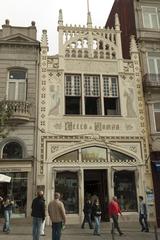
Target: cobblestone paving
(74, 232)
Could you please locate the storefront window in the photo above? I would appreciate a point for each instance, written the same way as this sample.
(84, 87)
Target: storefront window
(17, 189)
(125, 190)
(67, 185)
(93, 154)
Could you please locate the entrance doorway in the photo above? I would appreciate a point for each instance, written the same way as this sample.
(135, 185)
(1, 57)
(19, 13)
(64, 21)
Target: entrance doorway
(95, 183)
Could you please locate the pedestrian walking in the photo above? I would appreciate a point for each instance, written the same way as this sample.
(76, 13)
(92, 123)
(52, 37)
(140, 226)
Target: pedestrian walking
(57, 215)
(38, 214)
(87, 213)
(114, 211)
(143, 215)
(96, 211)
(7, 206)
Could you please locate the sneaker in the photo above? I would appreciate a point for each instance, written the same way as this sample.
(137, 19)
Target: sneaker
(147, 230)
(121, 234)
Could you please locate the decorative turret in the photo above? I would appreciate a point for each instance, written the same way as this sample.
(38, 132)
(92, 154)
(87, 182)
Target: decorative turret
(118, 39)
(44, 39)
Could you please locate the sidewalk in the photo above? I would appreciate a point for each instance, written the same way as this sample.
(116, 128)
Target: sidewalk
(74, 232)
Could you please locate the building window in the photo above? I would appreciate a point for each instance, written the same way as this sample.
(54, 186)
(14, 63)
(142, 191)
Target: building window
(67, 185)
(92, 95)
(157, 116)
(154, 63)
(16, 90)
(12, 150)
(71, 157)
(94, 154)
(125, 190)
(73, 94)
(116, 156)
(150, 17)
(111, 97)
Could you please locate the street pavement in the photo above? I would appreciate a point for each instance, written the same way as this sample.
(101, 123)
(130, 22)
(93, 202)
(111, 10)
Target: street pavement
(22, 231)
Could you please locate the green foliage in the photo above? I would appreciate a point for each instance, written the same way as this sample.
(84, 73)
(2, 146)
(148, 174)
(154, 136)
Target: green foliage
(5, 114)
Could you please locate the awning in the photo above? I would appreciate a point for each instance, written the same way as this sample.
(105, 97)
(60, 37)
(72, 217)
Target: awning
(4, 178)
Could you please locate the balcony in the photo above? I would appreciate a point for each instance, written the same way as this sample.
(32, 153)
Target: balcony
(151, 80)
(19, 110)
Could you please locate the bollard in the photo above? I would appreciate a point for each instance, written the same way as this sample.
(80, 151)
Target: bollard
(155, 232)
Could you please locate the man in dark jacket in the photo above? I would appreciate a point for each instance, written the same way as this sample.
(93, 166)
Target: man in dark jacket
(143, 215)
(38, 214)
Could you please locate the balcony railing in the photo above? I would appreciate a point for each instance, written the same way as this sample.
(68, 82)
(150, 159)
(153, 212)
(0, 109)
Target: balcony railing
(151, 80)
(19, 110)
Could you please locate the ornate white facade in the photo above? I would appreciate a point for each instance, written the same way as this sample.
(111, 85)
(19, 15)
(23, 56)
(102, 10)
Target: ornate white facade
(95, 56)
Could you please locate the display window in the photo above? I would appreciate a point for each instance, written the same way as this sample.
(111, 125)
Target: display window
(125, 190)
(67, 185)
(17, 189)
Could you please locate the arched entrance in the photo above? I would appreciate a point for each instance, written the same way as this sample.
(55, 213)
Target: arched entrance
(94, 170)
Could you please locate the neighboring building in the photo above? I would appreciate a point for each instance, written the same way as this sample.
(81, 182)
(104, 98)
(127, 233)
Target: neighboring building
(19, 64)
(142, 18)
(92, 131)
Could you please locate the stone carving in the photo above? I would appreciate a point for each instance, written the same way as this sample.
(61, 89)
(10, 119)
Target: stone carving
(54, 93)
(130, 108)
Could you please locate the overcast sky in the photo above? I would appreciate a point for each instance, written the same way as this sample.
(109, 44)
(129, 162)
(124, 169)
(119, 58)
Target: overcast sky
(45, 14)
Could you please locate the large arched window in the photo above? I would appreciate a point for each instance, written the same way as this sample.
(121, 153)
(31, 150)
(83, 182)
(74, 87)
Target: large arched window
(12, 150)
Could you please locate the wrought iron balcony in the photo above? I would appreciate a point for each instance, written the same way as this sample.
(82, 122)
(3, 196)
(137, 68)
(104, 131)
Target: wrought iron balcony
(151, 80)
(19, 110)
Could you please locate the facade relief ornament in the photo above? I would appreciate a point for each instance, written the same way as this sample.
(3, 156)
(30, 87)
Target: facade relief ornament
(130, 102)
(54, 105)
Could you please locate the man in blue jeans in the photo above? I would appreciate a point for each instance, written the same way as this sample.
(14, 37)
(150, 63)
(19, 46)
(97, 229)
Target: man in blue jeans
(57, 215)
(38, 214)
(7, 208)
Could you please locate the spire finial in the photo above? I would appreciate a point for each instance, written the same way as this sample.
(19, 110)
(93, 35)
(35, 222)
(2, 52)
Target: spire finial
(88, 6)
(60, 19)
(89, 19)
(117, 23)
(133, 45)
